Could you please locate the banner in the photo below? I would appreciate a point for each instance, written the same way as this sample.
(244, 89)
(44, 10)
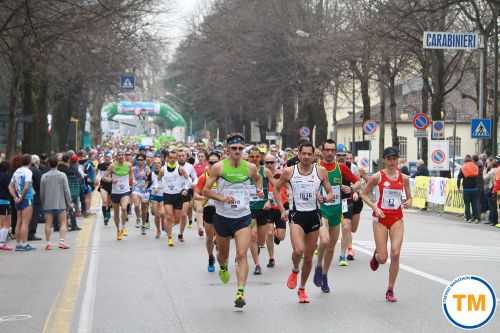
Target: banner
(454, 202)
(421, 191)
(437, 187)
(438, 155)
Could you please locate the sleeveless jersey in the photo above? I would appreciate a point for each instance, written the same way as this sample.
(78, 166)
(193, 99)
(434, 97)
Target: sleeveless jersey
(304, 189)
(120, 177)
(234, 182)
(156, 185)
(389, 194)
(257, 203)
(173, 182)
(140, 178)
(334, 208)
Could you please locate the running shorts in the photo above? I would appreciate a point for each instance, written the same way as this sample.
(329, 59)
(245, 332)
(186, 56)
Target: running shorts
(208, 214)
(227, 227)
(274, 216)
(116, 198)
(308, 221)
(174, 200)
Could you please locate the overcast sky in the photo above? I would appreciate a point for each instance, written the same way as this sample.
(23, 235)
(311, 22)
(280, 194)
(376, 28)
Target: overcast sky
(182, 11)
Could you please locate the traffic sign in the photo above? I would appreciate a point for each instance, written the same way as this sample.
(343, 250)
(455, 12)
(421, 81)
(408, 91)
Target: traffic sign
(127, 82)
(305, 131)
(450, 40)
(421, 121)
(480, 128)
(437, 132)
(438, 155)
(420, 133)
(369, 127)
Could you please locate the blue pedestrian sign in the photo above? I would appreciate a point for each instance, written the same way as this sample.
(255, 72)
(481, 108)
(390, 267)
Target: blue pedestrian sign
(369, 127)
(127, 82)
(480, 128)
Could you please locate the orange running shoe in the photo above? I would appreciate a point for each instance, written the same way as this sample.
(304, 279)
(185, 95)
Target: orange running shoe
(302, 296)
(292, 280)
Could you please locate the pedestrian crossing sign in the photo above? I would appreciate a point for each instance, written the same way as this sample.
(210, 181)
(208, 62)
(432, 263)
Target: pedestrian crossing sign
(480, 128)
(127, 82)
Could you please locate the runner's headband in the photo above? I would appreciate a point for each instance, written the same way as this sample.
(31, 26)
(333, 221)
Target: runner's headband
(235, 140)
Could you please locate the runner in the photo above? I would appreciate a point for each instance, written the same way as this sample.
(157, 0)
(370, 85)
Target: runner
(140, 195)
(121, 174)
(349, 206)
(305, 179)
(388, 214)
(156, 197)
(277, 230)
(357, 206)
(331, 213)
(105, 184)
(176, 183)
(233, 216)
(208, 210)
(259, 208)
(200, 167)
(187, 198)
(21, 190)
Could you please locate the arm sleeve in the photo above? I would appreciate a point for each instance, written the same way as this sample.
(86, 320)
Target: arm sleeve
(347, 174)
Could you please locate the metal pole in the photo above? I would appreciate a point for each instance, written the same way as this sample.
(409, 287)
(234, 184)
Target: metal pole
(454, 141)
(495, 86)
(353, 115)
(482, 64)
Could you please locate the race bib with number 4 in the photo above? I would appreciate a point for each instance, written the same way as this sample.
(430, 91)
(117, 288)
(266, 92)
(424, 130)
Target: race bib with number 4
(345, 206)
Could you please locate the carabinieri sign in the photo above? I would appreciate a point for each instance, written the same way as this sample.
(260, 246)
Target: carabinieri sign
(451, 40)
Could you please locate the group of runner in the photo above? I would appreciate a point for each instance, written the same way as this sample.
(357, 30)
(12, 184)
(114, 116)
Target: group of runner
(244, 194)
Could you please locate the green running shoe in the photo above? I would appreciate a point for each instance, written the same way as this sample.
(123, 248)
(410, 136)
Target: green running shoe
(239, 302)
(224, 275)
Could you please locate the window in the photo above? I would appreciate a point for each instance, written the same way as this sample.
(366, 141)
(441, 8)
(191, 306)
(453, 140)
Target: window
(457, 148)
(403, 147)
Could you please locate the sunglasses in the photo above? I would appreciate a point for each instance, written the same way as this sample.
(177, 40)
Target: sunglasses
(269, 162)
(212, 162)
(237, 148)
(140, 159)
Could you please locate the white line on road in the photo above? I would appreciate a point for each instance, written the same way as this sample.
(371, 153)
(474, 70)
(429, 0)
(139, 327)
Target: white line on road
(409, 269)
(87, 311)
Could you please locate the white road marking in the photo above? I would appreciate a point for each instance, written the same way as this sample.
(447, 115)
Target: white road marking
(15, 317)
(85, 322)
(408, 268)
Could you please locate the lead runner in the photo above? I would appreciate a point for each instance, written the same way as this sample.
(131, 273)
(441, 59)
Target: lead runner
(388, 214)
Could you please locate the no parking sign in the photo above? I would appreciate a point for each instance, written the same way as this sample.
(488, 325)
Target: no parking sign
(438, 155)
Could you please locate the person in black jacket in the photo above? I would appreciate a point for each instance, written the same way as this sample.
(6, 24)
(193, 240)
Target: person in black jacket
(421, 169)
(5, 211)
(469, 178)
(37, 216)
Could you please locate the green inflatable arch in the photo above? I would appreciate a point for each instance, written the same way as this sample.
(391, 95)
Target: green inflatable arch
(173, 118)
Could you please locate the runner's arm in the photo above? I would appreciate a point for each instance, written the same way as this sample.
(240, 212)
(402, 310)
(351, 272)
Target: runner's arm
(254, 174)
(406, 181)
(326, 185)
(207, 189)
(285, 177)
(365, 195)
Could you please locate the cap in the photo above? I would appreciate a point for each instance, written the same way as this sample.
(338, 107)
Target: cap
(391, 151)
(74, 158)
(341, 149)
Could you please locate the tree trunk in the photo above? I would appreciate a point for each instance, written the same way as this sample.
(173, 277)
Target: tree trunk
(41, 102)
(29, 138)
(95, 116)
(365, 96)
(12, 127)
(392, 107)
(289, 123)
(381, 142)
(335, 107)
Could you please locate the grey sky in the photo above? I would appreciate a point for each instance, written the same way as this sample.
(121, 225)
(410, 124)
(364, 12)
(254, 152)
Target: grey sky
(182, 11)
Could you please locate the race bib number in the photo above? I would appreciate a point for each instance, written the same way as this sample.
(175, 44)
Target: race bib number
(305, 192)
(391, 199)
(252, 191)
(270, 196)
(345, 206)
(336, 196)
(239, 199)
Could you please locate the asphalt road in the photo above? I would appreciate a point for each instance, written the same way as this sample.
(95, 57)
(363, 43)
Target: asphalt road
(141, 285)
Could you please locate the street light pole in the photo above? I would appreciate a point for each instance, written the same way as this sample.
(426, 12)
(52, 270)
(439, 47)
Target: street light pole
(494, 141)
(353, 115)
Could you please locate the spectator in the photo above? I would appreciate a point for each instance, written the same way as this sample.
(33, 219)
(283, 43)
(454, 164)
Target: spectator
(74, 181)
(483, 202)
(87, 182)
(489, 184)
(37, 216)
(404, 168)
(5, 198)
(469, 173)
(421, 169)
(21, 190)
(56, 201)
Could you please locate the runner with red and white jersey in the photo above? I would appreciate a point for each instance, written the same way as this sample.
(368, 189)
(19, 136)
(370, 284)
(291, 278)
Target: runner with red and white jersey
(390, 185)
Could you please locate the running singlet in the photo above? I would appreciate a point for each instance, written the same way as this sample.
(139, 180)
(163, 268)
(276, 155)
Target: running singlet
(140, 178)
(328, 209)
(20, 177)
(390, 194)
(173, 182)
(257, 203)
(121, 183)
(303, 190)
(101, 170)
(234, 182)
(156, 185)
(201, 184)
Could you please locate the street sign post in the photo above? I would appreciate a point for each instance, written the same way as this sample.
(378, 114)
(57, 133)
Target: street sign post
(369, 127)
(305, 131)
(437, 132)
(480, 128)
(421, 121)
(127, 82)
(450, 40)
(438, 155)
